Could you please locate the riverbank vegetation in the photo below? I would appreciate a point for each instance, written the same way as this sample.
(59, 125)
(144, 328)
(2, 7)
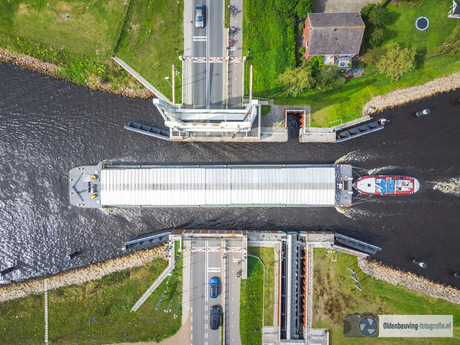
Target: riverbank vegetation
(80, 37)
(98, 312)
(390, 30)
(251, 293)
(335, 296)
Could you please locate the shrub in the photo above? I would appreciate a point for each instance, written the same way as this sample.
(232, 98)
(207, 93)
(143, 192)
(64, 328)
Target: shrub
(377, 15)
(302, 50)
(452, 45)
(316, 61)
(327, 78)
(303, 8)
(372, 55)
(376, 36)
(296, 80)
(397, 61)
(286, 6)
(301, 27)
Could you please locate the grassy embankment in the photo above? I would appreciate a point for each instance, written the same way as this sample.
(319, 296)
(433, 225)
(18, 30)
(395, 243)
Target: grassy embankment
(270, 36)
(347, 102)
(152, 31)
(81, 36)
(108, 301)
(251, 296)
(335, 296)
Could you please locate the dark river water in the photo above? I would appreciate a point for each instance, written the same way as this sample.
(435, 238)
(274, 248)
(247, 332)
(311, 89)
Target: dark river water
(48, 126)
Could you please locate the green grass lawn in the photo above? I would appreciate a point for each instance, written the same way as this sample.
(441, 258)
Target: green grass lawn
(83, 27)
(109, 300)
(270, 36)
(152, 30)
(267, 255)
(335, 296)
(347, 102)
(400, 24)
(251, 304)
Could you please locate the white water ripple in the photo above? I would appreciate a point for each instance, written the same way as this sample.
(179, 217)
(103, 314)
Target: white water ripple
(450, 186)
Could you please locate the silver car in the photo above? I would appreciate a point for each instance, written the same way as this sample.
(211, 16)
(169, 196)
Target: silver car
(199, 16)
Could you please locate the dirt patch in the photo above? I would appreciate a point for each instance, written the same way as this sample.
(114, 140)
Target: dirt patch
(64, 6)
(23, 10)
(63, 17)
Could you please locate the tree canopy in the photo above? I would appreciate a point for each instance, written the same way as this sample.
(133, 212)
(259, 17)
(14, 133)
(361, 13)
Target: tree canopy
(452, 45)
(397, 61)
(296, 80)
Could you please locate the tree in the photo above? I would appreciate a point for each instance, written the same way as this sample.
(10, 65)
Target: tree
(286, 6)
(377, 15)
(452, 45)
(397, 61)
(327, 78)
(296, 80)
(376, 36)
(303, 8)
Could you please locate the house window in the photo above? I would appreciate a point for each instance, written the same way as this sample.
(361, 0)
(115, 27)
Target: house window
(306, 44)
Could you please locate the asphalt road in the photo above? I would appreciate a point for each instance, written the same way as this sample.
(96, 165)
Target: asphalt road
(208, 80)
(205, 265)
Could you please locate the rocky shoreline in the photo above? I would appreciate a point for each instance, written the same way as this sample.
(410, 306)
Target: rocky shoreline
(80, 275)
(51, 70)
(413, 94)
(410, 280)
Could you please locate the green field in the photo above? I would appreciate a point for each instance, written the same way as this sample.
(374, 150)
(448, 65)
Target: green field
(82, 27)
(108, 301)
(82, 36)
(251, 295)
(270, 36)
(335, 296)
(152, 30)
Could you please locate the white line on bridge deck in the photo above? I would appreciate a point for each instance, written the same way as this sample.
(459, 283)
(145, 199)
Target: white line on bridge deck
(200, 38)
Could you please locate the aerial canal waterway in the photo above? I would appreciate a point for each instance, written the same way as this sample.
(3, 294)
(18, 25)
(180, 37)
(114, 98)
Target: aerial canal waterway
(48, 127)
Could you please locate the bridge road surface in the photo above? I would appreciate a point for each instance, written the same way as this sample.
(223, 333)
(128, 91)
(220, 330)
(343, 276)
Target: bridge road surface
(208, 79)
(205, 264)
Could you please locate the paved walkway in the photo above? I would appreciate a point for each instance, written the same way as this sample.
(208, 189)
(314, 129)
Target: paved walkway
(235, 68)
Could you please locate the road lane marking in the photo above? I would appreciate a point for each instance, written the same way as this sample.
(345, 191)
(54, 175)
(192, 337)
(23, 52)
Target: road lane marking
(200, 38)
(206, 335)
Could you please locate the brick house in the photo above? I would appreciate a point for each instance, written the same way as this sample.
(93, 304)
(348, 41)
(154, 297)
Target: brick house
(337, 37)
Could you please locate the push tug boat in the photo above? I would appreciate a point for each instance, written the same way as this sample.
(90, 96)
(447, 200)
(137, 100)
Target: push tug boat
(387, 185)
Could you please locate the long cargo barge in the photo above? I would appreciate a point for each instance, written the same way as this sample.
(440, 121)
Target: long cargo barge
(289, 185)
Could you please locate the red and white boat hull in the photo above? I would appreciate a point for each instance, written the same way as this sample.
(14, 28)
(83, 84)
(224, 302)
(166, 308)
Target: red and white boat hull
(387, 185)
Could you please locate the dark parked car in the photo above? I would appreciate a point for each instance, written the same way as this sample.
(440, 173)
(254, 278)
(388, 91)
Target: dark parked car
(214, 287)
(215, 317)
(199, 16)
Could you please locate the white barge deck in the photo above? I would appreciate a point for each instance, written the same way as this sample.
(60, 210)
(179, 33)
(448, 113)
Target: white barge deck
(289, 185)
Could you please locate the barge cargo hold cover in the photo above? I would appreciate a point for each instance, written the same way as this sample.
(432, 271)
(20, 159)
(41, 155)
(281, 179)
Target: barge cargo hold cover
(213, 186)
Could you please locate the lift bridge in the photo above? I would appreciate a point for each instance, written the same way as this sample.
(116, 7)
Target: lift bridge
(185, 123)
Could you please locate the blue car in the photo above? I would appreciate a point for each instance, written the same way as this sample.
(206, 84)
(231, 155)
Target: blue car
(214, 287)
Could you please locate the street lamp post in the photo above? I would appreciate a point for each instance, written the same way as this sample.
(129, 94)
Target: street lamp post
(178, 75)
(167, 79)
